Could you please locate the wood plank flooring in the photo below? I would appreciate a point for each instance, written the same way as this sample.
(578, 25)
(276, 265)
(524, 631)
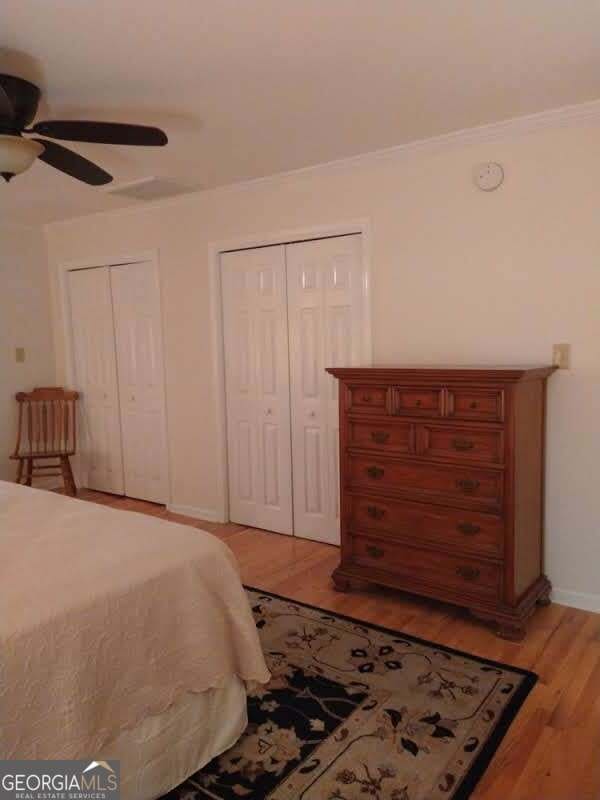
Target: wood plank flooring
(552, 751)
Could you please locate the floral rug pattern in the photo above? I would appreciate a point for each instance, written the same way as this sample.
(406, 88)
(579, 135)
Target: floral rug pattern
(357, 712)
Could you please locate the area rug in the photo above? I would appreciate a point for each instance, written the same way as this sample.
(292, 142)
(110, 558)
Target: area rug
(358, 712)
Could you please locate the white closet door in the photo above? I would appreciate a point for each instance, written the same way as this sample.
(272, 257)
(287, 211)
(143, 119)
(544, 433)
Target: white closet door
(325, 310)
(257, 384)
(96, 378)
(136, 304)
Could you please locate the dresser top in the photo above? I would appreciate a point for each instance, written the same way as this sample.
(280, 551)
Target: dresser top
(454, 372)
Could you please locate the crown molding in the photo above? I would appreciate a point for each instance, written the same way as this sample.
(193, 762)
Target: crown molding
(494, 131)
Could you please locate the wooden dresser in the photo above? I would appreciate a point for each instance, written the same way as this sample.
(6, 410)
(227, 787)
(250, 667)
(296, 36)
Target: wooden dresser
(442, 486)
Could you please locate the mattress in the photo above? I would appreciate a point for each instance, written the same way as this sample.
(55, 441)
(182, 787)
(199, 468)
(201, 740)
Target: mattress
(165, 749)
(118, 625)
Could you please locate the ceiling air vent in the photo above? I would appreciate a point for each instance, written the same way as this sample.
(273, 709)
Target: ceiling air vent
(149, 188)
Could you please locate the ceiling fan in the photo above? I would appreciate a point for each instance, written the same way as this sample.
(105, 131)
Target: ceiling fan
(18, 106)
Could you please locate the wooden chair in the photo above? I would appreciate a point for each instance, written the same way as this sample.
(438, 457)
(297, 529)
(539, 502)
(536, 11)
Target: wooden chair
(46, 430)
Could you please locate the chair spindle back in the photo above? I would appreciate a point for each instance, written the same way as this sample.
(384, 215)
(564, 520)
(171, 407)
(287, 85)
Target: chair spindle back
(46, 423)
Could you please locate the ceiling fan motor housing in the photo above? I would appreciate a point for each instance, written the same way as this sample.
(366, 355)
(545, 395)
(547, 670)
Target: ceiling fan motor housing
(24, 97)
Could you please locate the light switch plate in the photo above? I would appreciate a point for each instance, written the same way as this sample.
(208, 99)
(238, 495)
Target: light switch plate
(19, 355)
(561, 355)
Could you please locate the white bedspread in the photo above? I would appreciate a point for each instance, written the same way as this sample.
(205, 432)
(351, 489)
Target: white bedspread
(107, 617)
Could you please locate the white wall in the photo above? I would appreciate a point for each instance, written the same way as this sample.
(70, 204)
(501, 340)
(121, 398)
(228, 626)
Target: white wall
(458, 276)
(24, 322)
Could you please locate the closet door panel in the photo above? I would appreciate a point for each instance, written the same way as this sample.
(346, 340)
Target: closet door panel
(257, 388)
(96, 378)
(136, 303)
(325, 312)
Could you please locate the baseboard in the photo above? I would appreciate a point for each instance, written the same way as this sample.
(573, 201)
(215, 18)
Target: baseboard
(208, 514)
(583, 600)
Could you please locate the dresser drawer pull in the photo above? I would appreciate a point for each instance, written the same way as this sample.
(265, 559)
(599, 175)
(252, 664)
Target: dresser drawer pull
(366, 398)
(462, 444)
(468, 573)
(375, 472)
(418, 403)
(474, 404)
(375, 512)
(374, 552)
(467, 485)
(380, 437)
(468, 528)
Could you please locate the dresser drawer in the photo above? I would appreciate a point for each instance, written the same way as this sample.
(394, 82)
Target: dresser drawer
(367, 399)
(459, 443)
(463, 575)
(417, 401)
(395, 436)
(475, 404)
(467, 487)
(452, 528)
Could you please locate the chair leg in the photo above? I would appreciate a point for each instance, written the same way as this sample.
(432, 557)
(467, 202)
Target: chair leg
(29, 472)
(67, 472)
(19, 471)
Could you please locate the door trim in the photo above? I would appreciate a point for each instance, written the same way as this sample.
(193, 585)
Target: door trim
(64, 300)
(286, 236)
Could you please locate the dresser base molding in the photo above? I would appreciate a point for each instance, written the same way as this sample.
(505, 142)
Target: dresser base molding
(544, 598)
(343, 583)
(510, 622)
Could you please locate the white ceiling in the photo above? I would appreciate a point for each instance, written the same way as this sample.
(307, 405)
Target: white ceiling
(246, 88)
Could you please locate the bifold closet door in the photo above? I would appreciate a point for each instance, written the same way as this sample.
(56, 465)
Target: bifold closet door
(96, 378)
(138, 336)
(325, 282)
(257, 388)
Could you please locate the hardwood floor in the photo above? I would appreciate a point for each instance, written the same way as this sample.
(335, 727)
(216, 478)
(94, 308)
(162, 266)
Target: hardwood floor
(552, 751)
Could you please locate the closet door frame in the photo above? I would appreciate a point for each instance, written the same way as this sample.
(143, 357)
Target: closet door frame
(147, 256)
(283, 237)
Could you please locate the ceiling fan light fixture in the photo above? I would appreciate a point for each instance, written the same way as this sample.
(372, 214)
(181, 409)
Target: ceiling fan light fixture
(17, 155)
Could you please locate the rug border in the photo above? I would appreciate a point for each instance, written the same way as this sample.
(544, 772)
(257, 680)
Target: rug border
(466, 787)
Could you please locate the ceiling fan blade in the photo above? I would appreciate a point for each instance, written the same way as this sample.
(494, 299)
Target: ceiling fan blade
(7, 110)
(101, 132)
(72, 164)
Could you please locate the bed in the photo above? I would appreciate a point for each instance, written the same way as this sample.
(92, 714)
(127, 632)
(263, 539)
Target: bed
(121, 636)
